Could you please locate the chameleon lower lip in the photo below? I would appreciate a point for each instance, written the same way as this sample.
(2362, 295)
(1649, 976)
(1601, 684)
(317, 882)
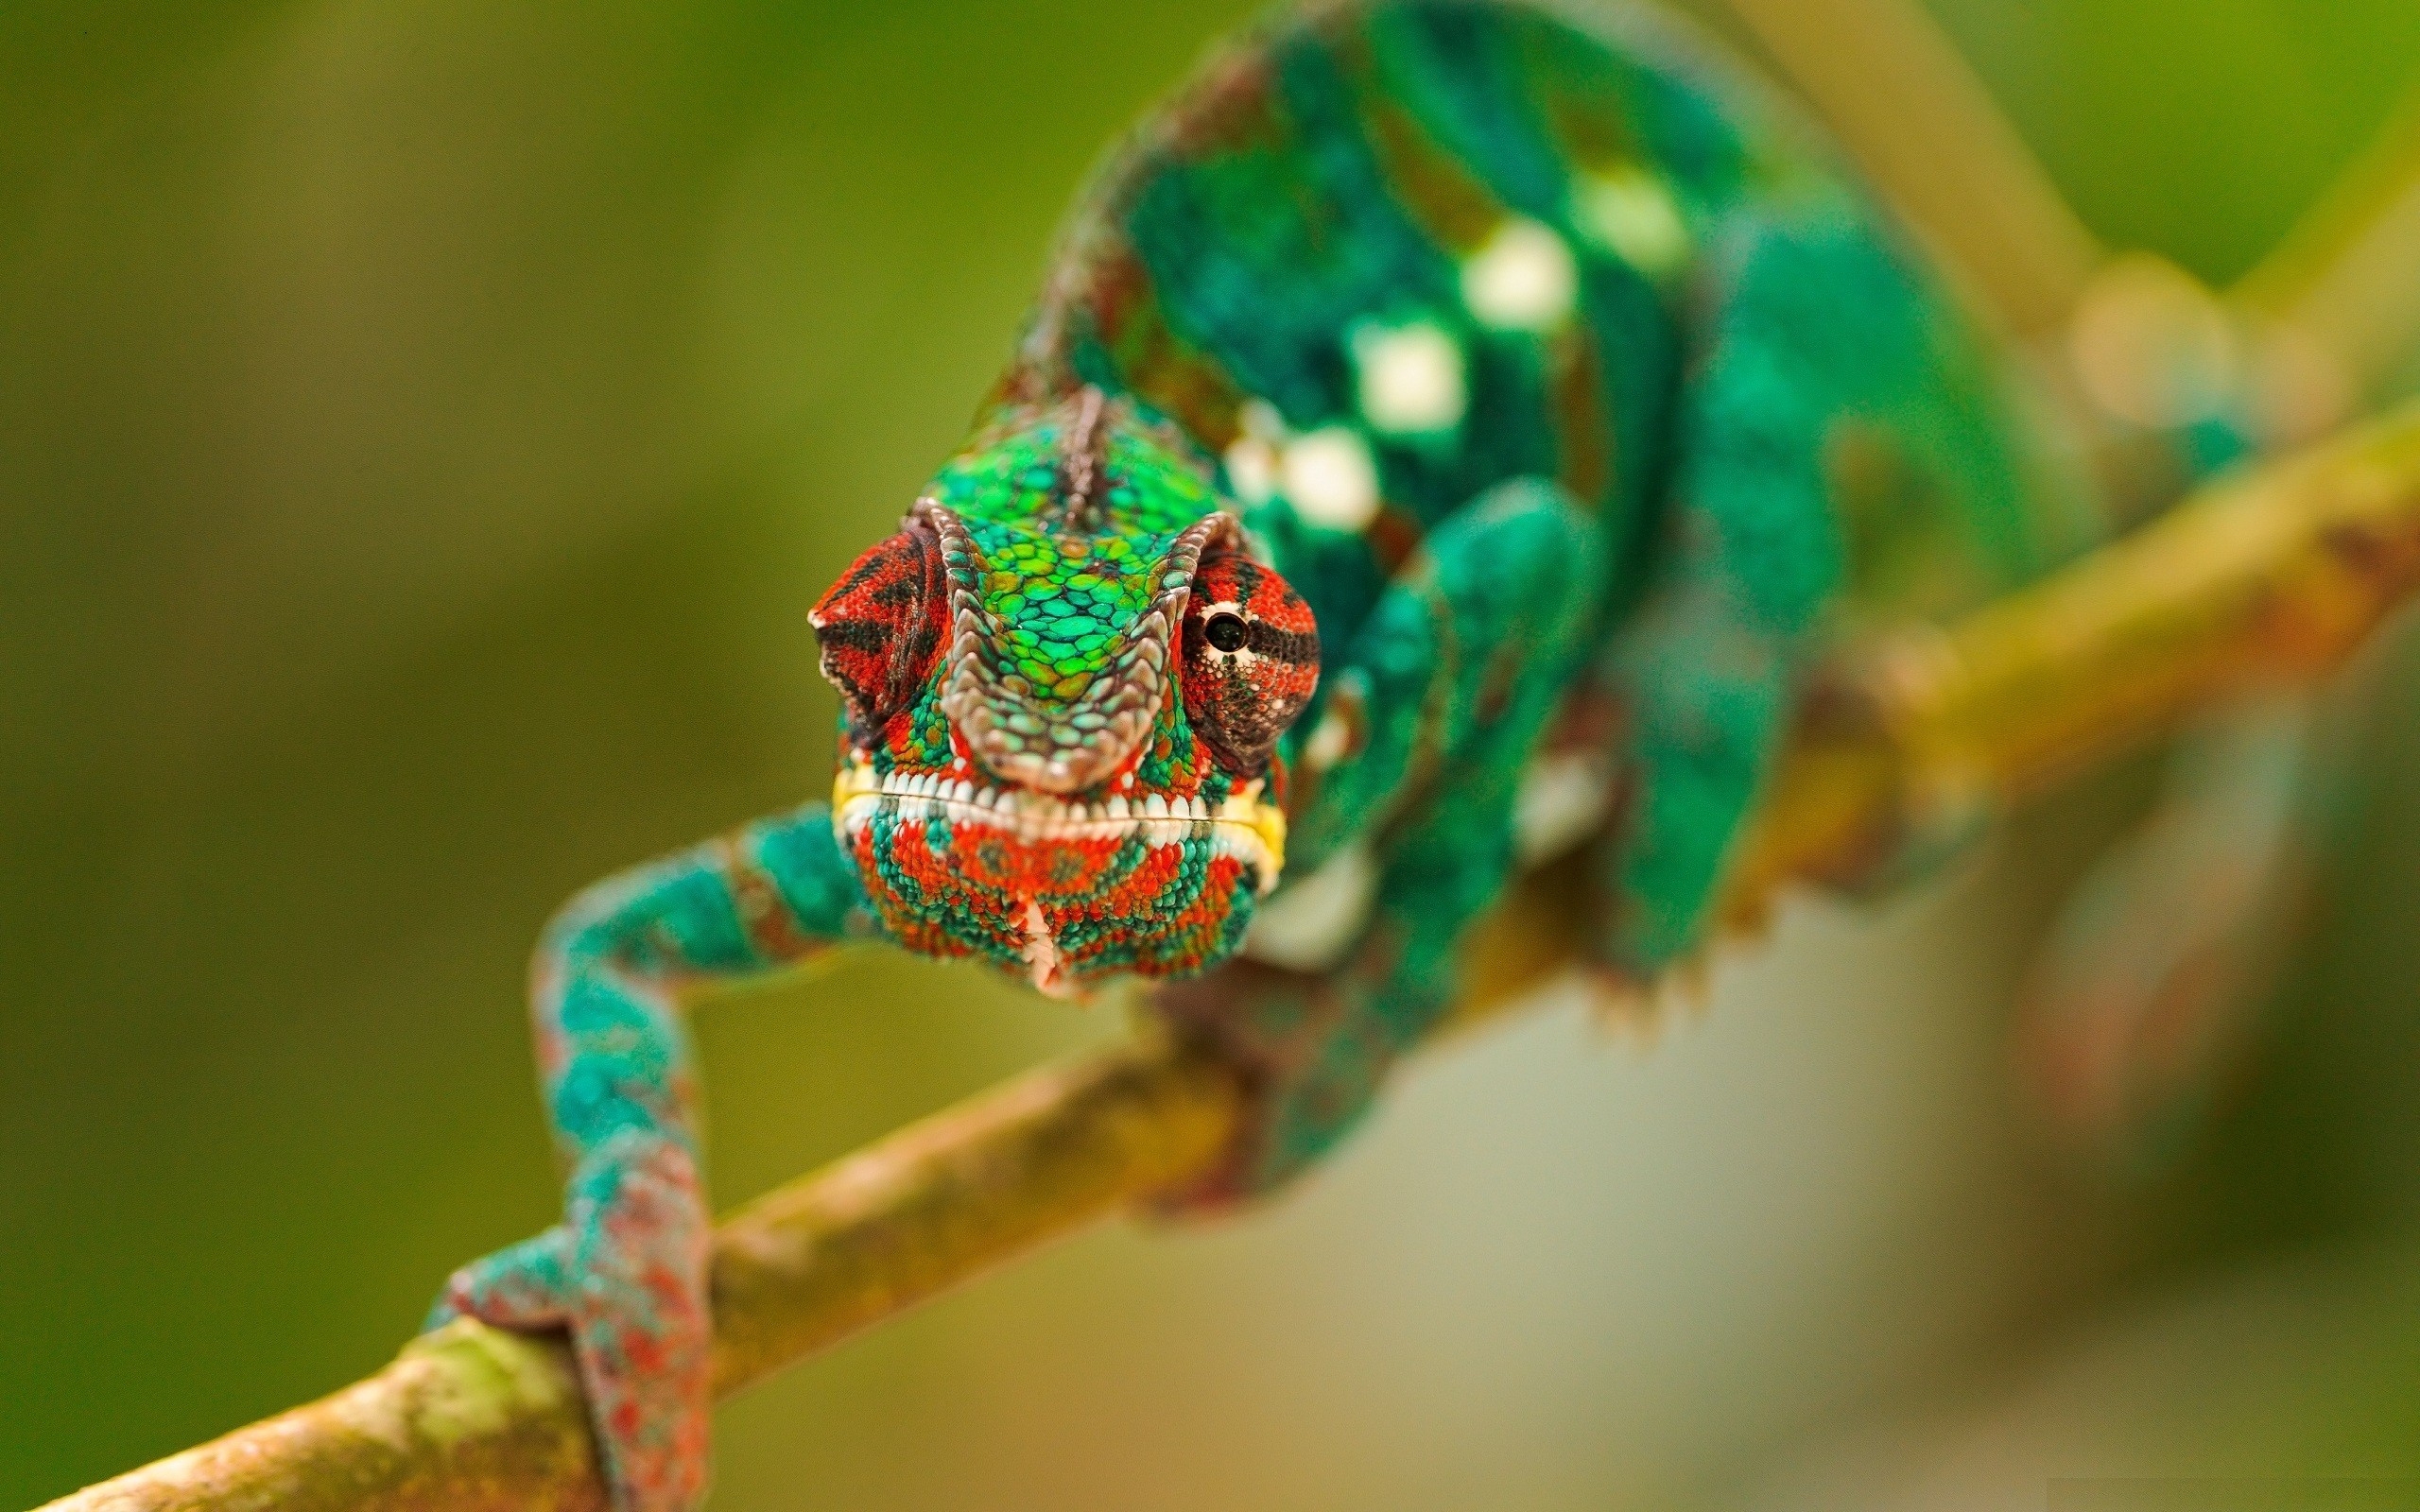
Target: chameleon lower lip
(1242, 827)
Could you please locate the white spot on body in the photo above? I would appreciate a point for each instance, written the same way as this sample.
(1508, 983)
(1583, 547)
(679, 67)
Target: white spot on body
(1331, 479)
(1252, 469)
(1256, 459)
(1525, 278)
(1330, 739)
(1633, 212)
(1562, 803)
(1260, 419)
(1309, 925)
(1411, 378)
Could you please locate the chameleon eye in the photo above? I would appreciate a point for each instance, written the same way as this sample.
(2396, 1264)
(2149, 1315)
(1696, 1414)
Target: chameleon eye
(1250, 658)
(881, 625)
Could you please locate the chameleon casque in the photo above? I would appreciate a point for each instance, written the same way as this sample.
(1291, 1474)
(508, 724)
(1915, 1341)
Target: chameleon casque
(1449, 433)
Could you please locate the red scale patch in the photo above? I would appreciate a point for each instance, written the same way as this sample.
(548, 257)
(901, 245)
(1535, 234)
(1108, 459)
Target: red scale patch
(882, 624)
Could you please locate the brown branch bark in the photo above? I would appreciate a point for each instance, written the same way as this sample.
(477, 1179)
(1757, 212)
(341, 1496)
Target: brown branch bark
(2277, 575)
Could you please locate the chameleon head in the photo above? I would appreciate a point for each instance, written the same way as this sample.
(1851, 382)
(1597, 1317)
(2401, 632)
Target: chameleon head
(1065, 679)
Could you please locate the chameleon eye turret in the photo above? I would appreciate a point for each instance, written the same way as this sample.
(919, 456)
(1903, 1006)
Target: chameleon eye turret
(881, 625)
(1252, 658)
(1066, 678)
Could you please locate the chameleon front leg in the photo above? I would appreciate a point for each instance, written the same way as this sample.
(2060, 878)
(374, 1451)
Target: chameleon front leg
(626, 1270)
(1450, 683)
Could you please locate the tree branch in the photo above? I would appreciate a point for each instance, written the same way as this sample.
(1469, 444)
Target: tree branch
(1893, 89)
(2277, 575)
(2343, 279)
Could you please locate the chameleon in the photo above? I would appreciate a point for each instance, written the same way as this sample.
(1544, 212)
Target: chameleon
(1449, 435)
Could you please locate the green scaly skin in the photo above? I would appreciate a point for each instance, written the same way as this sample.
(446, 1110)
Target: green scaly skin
(1523, 381)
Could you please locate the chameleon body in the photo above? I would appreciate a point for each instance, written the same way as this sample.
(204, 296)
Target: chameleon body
(1433, 391)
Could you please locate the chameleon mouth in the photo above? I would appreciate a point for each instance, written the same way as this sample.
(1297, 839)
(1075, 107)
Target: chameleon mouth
(1243, 826)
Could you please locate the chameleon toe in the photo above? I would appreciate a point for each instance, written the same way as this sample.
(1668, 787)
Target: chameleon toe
(524, 1286)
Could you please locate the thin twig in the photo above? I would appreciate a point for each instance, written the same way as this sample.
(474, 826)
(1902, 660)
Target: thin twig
(2276, 576)
(1895, 92)
(2311, 337)
(2348, 278)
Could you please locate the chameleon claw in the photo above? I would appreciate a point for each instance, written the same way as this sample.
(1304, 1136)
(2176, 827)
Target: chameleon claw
(639, 1319)
(626, 1274)
(1640, 1011)
(521, 1287)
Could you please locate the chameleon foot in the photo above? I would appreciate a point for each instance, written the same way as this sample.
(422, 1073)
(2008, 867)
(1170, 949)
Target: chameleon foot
(626, 1274)
(2147, 996)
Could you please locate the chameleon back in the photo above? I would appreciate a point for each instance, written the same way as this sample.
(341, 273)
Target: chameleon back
(1380, 256)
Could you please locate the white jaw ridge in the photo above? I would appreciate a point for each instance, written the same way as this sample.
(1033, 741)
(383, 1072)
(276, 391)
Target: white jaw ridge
(1242, 827)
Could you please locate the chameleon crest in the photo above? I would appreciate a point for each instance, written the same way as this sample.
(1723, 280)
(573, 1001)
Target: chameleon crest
(1065, 679)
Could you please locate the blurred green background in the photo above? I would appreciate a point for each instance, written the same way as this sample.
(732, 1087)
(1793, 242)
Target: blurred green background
(423, 428)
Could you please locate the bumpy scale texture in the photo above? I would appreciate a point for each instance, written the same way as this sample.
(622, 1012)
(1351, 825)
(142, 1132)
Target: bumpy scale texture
(1445, 435)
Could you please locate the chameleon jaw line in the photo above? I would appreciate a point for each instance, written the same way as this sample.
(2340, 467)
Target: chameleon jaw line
(1243, 826)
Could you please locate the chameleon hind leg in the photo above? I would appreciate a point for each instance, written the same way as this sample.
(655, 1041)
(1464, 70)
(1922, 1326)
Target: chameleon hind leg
(1450, 682)
(1813, 322)
(2150, 981)
(625, 1272)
